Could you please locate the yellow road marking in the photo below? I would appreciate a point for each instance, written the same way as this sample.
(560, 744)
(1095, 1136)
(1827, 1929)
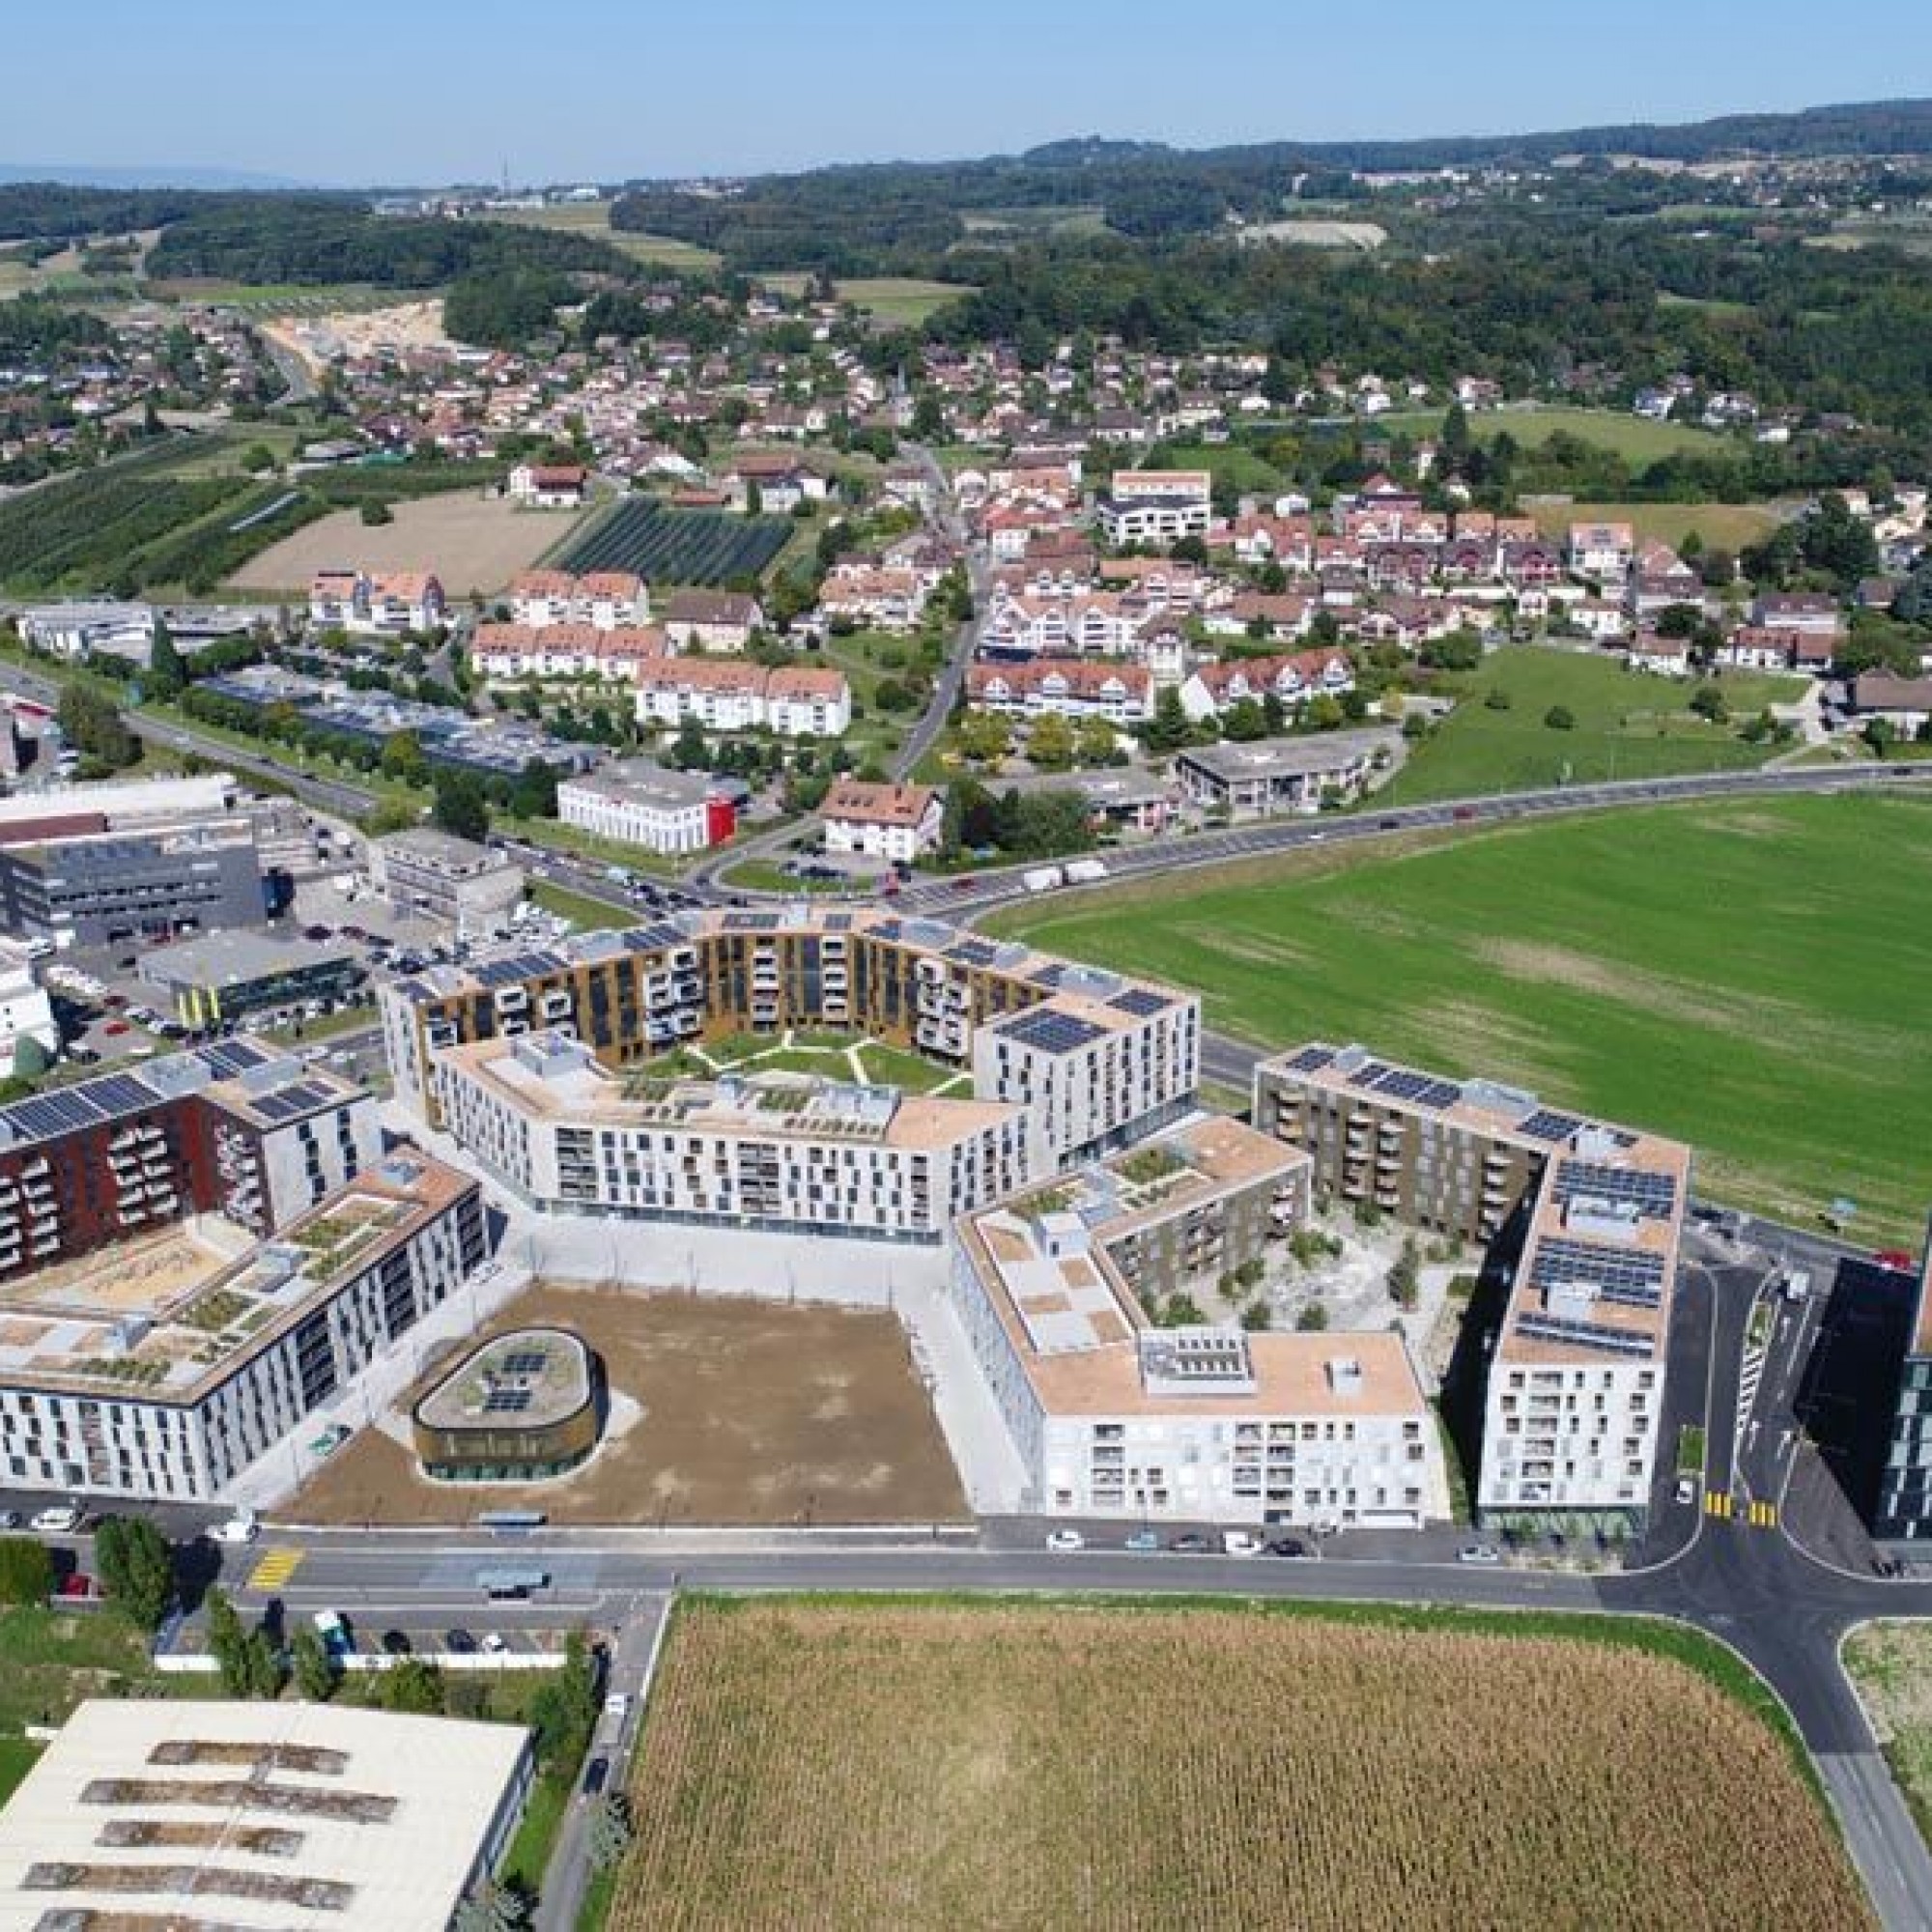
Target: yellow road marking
(274, 1569)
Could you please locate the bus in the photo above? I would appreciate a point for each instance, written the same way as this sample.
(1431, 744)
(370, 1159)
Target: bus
(501, 1586)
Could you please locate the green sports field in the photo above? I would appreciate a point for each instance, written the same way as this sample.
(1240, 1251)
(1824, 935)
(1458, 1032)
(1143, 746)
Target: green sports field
(1749, 975)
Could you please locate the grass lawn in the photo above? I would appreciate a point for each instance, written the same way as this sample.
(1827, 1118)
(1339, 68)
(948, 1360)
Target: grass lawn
(1636, 438)
(1745, 975)
(1629, 725)
(593, 217)
(585, 914)
(1890, 1665)
(903, 301)
(1722, 525)
(55, 1659)
(17, 1758)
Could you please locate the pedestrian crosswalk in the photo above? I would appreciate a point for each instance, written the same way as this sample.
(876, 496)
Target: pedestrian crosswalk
(1748, 1376)
(1748, 1510)
(274, 1569)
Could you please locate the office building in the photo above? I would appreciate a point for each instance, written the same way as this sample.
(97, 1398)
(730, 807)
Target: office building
(226, 976)
(635, 802)
(1270, 777)
(233, 1128)
(520, 1408)
(165, 1368)
(1114, 1417)
(470, 887)
(26, 1014)
(266, 1815)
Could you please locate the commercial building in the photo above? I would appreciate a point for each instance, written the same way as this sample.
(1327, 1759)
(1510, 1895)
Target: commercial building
(165, 1368)
(225, 976)
(635, 802)
(785, 1153)
(97, 865)
(261, 1817)
(897, 823)
(1096, 1059)
(1264, 778)
(523, 1408)
(470, 887)
(1904, 1513)
(1588, 1215)
(1112, 1415)
(26, 1014)
(233, 1128)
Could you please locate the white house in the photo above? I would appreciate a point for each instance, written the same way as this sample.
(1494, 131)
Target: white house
(894, 822)
(548, 486)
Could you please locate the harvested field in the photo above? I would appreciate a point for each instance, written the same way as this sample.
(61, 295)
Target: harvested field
(473, 543)
(722, 1411)
(998, 1766)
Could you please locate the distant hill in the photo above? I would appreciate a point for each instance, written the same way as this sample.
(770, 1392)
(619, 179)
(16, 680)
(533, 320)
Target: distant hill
(201, 180)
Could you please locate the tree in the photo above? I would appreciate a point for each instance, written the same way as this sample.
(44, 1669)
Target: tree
(1313, 1319)
(136, 1567)
(610, 1830)
(1244, 720)
(1169, 729)
(1050, 743)
(415, 1685)
(316, 1672)
(1560, 718)
(390, 814)
(1096, 743)
(563, 1713)
(167, 669)
(404, 760)
(494, 1908)
(535, 795)
(460, 807)
(227, 1641)
(689, 752)
(1406, 1276)
(1707, 702)
(376, 512)
(93, 724)
(985, 737)
(26, 1571)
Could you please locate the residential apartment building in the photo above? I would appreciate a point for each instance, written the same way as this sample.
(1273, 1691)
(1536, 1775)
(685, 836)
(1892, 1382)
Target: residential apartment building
(638, 803)
(514, 653)
(712, 620)
(1065, 687)
(233, 1128)
(791, 701)
(898, 823)
(605, 600)
(1904, 1513)
(169, 1389)
(1095, 1061)
(470, 887)
(1156, 506)
(1264, 778)
(377, 604)
(1590, 1218)
(778, 1153)
(1112, 1416)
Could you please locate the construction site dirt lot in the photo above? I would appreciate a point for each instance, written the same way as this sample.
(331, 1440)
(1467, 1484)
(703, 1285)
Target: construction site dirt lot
(473, 544)
(722, 1411)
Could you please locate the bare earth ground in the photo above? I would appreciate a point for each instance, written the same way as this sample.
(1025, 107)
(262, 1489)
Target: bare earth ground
(752, 1412)
(473, 544)
(319, 339)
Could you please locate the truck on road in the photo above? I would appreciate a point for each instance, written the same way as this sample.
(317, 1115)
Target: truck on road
(1085, 871)
(1042, 879)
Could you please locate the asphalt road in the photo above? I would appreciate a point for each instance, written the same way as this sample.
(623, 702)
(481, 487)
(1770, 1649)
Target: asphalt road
(926, 732)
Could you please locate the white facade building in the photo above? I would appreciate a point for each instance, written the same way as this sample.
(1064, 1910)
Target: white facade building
(638, 803)
(897, 823)
(25, 1010)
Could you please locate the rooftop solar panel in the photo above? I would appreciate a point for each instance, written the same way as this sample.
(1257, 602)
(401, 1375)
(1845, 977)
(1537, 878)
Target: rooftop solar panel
(1369, 1073)
(1545, 1124)
(1584, 1335)
(1140, 1001)
(1634, 1274)
(1653, 1194)
(1049, 1032)
(1311, 1060)
(121, 1093)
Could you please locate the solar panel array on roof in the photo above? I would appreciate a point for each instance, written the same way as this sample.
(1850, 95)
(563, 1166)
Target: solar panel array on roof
(291, 1104)
(1048, 975)
(1584, 1335)
(652, 938)
(1418, 1090)
(1629, 1275)
(110, 1096)
(1049, 1032)
(121, 1093)
(1311, 1060)
(506, 1401)
(1369, 1072)
(1653, 1194)
(838, 922)
(523, 966)
(1141, 1001)
(525, 1362)
(226, 1058)
(973, 952)
(1545, 1124)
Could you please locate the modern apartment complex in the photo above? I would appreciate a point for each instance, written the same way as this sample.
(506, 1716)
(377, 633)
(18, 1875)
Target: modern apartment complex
(779, 1153)
(1595, 1217)
(1112, 1415)
(1093, 1060)
(1904, 1513)
(167, 1367)
(232, 1128)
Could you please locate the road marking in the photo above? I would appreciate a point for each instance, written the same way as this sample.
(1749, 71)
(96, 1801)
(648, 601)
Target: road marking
(274, 1569)
(1718, 1502)
(1764, 1515)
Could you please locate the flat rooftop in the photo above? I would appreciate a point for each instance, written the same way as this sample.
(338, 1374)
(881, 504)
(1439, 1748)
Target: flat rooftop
(548, 1076)
(261, 1816)
(524, 1379)
(1288, 758)
(234, 957)
(165, 1318)
(1080, 1334)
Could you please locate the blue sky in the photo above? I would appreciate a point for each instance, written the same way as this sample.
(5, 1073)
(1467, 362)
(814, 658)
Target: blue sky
(425, 91)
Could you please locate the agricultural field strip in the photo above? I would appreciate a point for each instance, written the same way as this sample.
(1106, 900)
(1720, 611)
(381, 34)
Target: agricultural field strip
(696, 547)
(999, 1764)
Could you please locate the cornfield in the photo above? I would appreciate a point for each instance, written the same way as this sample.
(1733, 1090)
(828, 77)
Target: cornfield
(933, 1766)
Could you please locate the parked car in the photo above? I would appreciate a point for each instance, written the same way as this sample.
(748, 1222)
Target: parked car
(1240, 1542)
(78, 1586)
(458, 1643)
(1143, 1539)
(1190, 1543)
(1065, 1539)
(1287, 1546)
(59, 1522)
(10, 1519)
(1896, 1259)
(492, 1644)
(1685, 1491)
(1479, 1552)
(595, 1775)
(240, 1527)
(397, 1643)
(618, 1705)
